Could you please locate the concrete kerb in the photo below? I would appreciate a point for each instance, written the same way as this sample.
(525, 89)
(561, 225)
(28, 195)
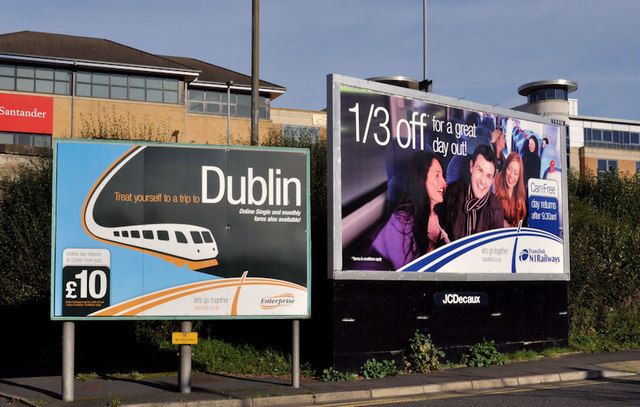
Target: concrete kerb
(538, 379)
(413, 390)
(341, 396)
(17, 399)
(279, 400)
(486, 384)
(397, 391)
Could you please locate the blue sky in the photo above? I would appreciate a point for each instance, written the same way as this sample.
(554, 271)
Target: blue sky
(481, 50)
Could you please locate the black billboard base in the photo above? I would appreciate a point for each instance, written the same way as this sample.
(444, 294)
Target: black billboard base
(376, 319)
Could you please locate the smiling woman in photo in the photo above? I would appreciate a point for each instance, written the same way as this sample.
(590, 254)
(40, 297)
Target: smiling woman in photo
(414, 227)
(509, 189)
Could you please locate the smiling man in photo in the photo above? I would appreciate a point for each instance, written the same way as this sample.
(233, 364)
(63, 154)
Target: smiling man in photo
(471, 207)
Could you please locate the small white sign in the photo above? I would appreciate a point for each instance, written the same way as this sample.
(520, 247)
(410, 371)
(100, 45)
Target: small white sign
(86, 257)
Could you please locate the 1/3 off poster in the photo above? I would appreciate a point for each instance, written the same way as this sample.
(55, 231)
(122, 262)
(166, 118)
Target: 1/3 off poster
(431, 189)
(174, 231)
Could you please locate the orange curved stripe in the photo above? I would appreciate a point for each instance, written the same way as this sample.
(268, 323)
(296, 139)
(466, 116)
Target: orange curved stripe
(184, 291)
(140, 300)
(177, 261)
(104, 174)
(234, 304)
(202, 264)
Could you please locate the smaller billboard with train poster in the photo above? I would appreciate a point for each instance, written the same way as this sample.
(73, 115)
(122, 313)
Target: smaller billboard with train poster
(157, 231)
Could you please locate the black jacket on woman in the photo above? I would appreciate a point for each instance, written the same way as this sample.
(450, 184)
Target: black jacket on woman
(531, 161)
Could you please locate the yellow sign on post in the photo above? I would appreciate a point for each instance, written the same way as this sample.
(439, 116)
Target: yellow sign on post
(184, 338)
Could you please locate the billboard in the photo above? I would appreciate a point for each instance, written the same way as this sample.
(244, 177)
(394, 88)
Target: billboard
(163, 231)
(425, 187)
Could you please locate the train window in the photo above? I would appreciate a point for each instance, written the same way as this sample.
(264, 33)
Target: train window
(196, 237)
(116, 233)
(135, 233)
(207, 237)
(181, 238)
(163, 235)
(125, 233)
(147, 234)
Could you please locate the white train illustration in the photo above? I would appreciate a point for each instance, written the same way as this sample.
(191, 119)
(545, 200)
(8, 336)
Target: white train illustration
(177, 243)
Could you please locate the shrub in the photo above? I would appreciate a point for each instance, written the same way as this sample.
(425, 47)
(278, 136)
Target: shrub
(372, 369)
(216, 356)
(483, 354)
(25, 234)
(604, 290)
(331, 375)
(423, 355)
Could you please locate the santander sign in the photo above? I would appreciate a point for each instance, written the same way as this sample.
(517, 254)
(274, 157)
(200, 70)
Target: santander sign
(26, 114)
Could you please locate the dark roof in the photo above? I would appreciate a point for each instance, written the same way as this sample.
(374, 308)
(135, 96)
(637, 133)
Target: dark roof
(39, 45)
(71, 47)
(215, 74)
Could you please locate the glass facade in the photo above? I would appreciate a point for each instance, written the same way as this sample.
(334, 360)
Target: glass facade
(22, 78)
(548, 94)
(611, 139)
(25, 139)
(127, 87)
(35, 79)
(215, 103)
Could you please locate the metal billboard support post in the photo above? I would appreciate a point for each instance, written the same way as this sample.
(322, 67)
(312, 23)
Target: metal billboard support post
(184, 375)
(295, 355)
(68, 356)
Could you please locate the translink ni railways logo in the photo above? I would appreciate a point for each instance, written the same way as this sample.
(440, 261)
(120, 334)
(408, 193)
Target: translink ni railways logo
(537, 256)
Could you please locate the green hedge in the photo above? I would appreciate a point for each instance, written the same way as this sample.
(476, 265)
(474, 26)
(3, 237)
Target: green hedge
(25, 234)
(604, 291)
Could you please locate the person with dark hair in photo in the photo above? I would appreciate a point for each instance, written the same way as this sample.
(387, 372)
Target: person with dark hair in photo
(498, 142)
(414, 227)
(545, 142)
(531, 160)
(509, 189)
(470, 205)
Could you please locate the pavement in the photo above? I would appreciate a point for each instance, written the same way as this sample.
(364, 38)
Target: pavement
(231, 391)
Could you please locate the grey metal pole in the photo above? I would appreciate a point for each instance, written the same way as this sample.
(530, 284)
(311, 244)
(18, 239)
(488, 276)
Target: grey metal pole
(229, 83)
(255, 81)
(424, 37)
(295, 355)
(184, 379)
(68, 357)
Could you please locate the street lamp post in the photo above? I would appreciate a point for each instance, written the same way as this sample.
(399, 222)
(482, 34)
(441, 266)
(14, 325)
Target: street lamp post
(229, 83)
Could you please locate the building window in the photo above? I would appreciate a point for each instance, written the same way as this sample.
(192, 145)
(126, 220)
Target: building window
(35, 79)
(215, 103)
(611, 139)
(637, 167)
(548, 94)
(127, 87)
(26, 139)
(607, 165)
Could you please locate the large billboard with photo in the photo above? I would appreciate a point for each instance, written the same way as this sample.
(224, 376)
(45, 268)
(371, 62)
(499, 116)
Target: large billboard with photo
(428, 187)
(163, 231)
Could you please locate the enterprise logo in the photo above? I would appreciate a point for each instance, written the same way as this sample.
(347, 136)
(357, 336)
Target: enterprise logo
(537, 256)
(282, 300)
(448, 299)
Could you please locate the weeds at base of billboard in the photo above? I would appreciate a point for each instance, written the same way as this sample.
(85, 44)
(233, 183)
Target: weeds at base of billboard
(483, 354)
(423, 355)
(372, 369)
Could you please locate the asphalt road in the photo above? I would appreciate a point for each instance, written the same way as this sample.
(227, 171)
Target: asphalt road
(619, 392)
